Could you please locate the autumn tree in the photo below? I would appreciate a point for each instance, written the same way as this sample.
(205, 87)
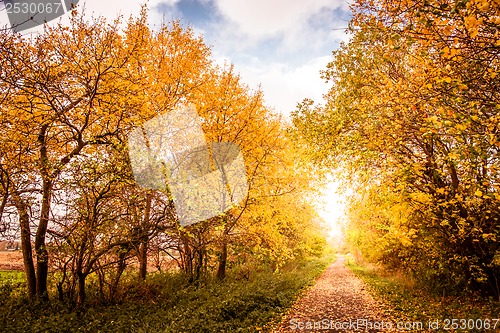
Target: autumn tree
(71, 88)
(70, 99)
(413, 110)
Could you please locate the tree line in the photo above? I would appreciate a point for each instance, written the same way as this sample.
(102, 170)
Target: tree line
(412, 119)
(68, 100)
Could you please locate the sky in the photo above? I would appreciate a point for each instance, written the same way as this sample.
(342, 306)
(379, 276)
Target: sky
(279, 45)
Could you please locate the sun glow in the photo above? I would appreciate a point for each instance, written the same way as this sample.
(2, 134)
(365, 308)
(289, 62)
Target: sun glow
(331, 205)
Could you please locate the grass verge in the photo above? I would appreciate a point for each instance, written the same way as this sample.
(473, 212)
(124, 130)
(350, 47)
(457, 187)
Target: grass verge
(166, 303)
(406, 303)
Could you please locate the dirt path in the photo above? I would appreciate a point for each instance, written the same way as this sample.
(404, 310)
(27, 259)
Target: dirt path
(338, 302)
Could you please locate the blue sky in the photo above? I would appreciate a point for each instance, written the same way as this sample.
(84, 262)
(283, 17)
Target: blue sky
(280, 45)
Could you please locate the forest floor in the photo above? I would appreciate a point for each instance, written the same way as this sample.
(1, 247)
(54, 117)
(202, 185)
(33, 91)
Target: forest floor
(337, 302)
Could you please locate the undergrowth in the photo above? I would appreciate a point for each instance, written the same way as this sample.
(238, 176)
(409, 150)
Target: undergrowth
(167, 303)
(406, 301)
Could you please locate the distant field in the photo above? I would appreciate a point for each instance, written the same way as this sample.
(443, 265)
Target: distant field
(11, 260)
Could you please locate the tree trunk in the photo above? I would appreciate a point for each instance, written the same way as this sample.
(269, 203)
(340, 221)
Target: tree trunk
(199, 262)
(187, 259)
(143, 247)
(42, 257)
(29, 267)
(221, 269)
(143, 259)
(119, 271)
(81, 288)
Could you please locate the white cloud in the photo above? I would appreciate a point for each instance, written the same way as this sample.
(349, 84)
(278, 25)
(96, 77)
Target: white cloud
(281, 45)
(264, 18)
(284, 85)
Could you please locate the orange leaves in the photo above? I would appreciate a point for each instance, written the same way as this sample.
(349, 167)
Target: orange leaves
(472, 24)
(454, 156)
(452, 52)
(74, 94)
(415, 100)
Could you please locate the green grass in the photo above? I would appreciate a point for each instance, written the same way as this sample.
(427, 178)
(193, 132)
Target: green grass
(166, 303)
(408, 303)
(13, 276)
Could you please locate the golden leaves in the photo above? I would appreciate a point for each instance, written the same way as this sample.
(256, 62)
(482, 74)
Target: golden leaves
(472, 24)
(415, 101)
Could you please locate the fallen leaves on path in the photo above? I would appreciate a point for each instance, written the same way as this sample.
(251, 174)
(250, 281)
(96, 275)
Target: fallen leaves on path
(338, 302)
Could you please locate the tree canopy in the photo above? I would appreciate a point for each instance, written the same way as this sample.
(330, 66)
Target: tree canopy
(413, 116)
(69, 99)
